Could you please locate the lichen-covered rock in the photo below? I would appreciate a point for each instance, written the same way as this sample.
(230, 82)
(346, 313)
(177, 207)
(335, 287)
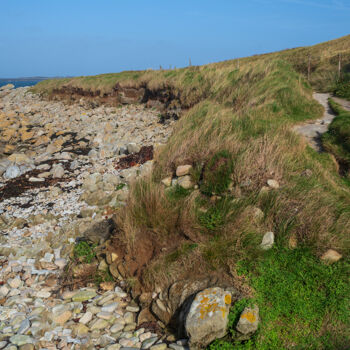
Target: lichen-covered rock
(249, 320)
(208, 316)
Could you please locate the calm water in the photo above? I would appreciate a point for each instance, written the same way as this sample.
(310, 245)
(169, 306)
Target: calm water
(19, 83)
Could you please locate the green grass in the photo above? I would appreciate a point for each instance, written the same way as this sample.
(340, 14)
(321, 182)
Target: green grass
(303, 303)
(177, 192)
(337, 139)
(185, 249)
(214, 217)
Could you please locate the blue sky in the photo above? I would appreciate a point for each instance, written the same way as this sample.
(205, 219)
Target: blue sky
(84, 37)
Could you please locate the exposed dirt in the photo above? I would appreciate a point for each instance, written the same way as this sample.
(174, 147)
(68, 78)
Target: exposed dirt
(163, 98)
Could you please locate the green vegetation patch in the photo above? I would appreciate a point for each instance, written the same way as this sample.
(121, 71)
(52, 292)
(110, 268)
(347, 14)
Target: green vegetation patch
(216, 175)
(214, 217)
(342, 87)
(303, 303)
(177, 192)
(85, 252)
(337, 139)
(185, 249)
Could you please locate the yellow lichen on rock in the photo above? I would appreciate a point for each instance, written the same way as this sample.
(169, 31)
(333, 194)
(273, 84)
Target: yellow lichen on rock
(249, 316)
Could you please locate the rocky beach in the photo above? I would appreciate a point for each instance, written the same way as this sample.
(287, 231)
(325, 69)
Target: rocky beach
(61, 175)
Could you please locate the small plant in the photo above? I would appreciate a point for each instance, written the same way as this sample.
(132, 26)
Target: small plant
(84, 252)
(216, 176)
(103, 276)
(215, 216)
(212, 219)
(120, 186)
(177, 192)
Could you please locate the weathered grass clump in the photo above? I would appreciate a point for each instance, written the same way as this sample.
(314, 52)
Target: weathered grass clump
(217, 172)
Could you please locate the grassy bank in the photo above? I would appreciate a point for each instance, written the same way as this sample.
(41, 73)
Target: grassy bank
(192, 82)
(237, 135)
(247, 130)
(337, 139)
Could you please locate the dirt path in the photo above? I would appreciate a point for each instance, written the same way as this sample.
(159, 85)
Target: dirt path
(344, 103)
(313, 130)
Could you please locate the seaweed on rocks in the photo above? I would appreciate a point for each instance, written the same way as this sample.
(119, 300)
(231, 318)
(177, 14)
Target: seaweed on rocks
(141, 157)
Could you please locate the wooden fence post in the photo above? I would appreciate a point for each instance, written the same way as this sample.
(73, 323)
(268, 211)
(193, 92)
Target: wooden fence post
(309, 68)
(339, 67)
(189, 62)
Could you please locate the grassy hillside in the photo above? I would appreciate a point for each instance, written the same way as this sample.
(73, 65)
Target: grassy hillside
(237, 135)
(189, 81)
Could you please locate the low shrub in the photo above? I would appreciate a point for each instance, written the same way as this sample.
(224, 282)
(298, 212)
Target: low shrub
(342, 87)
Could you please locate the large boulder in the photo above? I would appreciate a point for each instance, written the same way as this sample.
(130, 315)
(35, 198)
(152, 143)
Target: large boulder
(208, 316)
(99, 231)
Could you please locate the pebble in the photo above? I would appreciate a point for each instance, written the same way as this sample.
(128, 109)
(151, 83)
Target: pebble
(159, 347)
(19, 339)
(15, 283)
(99, 324)
(110, 307)
(149, 342)
(117, 327)
(86, 318)
(84, 295)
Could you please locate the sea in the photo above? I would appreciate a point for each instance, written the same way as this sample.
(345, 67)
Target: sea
(19, 83)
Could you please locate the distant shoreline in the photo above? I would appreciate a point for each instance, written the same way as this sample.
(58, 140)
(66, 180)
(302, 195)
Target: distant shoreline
(31, 78)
